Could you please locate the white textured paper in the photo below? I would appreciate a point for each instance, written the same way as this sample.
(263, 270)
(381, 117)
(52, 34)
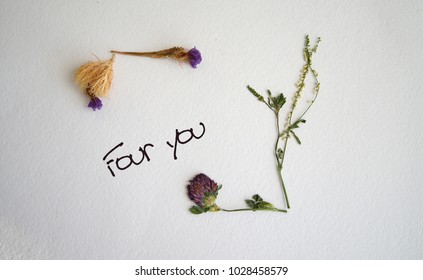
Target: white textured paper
(355, 183)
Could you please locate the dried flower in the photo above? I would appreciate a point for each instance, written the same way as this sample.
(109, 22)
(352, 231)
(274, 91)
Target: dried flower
(95, 103)
(193, 56)
(203, 191)
(95, 79)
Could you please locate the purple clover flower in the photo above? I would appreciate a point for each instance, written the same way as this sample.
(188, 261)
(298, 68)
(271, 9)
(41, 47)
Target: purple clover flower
(95, 103)
(194, 56)
(202, 190)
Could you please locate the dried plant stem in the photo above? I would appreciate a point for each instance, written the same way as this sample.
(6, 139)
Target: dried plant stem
(249, 209)
(275, 103)
(285, 134)
(279, 160)
(175, 53)
(158, 54)
(316, 93)
(290, 125)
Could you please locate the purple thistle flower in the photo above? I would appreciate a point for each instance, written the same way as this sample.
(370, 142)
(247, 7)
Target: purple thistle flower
(194, 56)
(95, 103)
(202, 190)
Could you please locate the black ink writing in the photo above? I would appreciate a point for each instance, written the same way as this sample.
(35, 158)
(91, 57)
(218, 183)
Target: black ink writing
(123, 162)
(178, 140)
(126, 161)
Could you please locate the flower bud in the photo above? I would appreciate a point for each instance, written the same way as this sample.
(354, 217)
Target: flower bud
(203, 191)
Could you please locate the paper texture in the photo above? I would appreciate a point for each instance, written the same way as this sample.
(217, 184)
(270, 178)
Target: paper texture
(355, 184)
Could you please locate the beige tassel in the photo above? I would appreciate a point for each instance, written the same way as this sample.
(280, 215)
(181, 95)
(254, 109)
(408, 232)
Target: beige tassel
(95, 79)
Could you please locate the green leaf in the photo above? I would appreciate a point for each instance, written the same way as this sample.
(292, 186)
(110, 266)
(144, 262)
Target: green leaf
(250, 203)
(255, 93)
(269, 93)
(196, 210)
(277, 102)
(281, 99)
(265, 205)
(257, 198)
(296, 124)
(292, 126)
(296, 137)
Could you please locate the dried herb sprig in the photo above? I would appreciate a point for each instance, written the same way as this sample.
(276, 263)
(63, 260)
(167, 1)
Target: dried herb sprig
(275, 104)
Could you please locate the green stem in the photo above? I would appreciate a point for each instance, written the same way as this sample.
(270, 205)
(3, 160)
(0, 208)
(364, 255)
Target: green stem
(286, 132)
(279, 161)
(284, 189)
(277, 140)
(250, 209)
(289, 122)
(270, 107)
(236, 210)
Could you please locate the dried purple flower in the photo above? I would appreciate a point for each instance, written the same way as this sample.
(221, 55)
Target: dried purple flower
(203, 191)
(95, 103)
(194, 57)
